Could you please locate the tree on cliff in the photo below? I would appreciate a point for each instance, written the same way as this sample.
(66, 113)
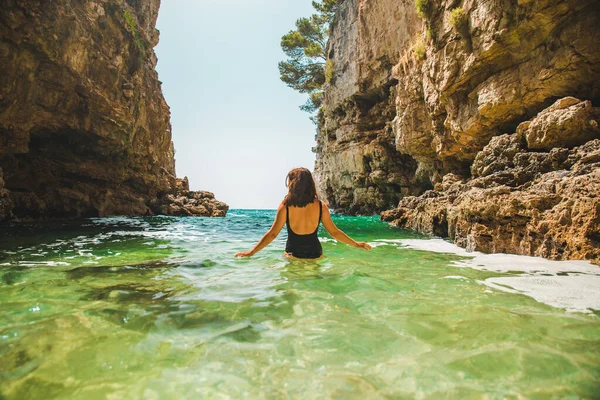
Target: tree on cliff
(304, 70)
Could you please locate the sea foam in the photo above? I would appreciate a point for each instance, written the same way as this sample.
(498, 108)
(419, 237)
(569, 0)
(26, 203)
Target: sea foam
(571, 285)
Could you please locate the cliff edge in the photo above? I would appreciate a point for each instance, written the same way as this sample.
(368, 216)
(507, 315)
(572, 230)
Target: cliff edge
(84, 127)
(422, 97)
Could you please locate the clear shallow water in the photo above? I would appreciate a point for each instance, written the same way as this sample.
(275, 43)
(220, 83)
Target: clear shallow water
(158, 308)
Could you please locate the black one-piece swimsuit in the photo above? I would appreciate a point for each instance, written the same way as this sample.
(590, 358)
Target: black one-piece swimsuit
(303, 246)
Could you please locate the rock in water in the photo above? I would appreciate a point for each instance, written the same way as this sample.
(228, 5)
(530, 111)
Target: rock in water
(358, 169)
(84, 127)
(183, 202)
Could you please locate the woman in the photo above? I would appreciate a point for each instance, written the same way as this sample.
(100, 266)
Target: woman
(302, 212)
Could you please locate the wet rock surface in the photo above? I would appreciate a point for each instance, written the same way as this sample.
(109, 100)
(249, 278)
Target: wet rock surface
(518, 200)
(84, 128)
(5, 200)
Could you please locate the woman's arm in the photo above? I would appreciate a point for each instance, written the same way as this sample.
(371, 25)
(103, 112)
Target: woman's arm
(270, 235)
(337, 233)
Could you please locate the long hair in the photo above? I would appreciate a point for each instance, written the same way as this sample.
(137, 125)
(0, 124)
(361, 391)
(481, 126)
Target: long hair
(301, 188)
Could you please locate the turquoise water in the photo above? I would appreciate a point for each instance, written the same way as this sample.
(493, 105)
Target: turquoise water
(158, 308)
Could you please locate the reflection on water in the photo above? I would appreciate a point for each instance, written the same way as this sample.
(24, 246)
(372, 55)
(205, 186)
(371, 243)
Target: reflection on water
(158, 308)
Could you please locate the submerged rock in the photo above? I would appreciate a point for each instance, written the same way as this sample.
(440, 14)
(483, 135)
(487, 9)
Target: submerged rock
(84, 127)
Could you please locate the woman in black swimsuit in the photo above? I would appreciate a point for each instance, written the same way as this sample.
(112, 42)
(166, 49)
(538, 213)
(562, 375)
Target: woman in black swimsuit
(302, 211)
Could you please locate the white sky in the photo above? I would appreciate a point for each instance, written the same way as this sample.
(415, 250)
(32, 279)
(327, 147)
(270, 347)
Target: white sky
(237, 128)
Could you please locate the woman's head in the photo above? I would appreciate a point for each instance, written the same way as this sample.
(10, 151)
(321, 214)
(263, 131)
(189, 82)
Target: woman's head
(301, 188)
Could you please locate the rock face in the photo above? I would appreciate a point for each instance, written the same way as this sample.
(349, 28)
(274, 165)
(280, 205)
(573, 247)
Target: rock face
(84, 127)
(413, 99)
(358, 169)
(520, 200)
(5, 200)
(567, 123)
(488, 114)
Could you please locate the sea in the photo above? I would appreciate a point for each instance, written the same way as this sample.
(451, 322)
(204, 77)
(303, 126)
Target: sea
(159, 308)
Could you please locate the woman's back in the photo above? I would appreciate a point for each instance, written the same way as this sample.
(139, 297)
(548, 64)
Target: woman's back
(302, 212)
(302, 226)
(304, 220)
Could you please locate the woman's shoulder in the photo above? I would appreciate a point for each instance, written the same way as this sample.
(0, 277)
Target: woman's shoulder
(315, 202)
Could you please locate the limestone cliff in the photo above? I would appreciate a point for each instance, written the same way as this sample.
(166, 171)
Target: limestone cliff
(437, 87)
(358, 167)
(84, 127)
(430, 95)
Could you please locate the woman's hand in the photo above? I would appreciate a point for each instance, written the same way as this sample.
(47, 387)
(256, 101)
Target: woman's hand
(363, 245)
(244, 254)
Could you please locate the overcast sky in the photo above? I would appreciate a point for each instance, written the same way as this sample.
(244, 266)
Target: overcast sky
(237, 128)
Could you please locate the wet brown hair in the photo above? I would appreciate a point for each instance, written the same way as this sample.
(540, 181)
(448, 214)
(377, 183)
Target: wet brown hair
(301, 188)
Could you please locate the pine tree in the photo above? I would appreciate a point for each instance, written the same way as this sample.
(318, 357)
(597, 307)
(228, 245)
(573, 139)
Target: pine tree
(304, 70)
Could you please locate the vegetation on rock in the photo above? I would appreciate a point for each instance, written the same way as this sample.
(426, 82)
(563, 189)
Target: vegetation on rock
(423, 7)
(429, 34)
(419, 48)
(306, 68)
(459, 19)
(329, 71)
(136, 36)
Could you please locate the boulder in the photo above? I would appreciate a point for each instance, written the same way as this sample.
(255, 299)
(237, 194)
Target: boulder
(569, 122)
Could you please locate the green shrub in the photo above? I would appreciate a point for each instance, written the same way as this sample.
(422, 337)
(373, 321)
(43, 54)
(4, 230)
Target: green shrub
(129, 19)
(423, 7)
(136, 36)
(459, 19)
(429, 34)
(419, 48)
(328, 71)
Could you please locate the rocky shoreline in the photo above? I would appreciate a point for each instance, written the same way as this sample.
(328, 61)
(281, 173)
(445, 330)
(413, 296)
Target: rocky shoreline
(84, 127)
(527, 193)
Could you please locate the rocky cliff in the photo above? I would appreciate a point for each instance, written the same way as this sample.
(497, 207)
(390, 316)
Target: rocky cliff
(84, 127)
(527, 194)
(358, 168)
(436, 83)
